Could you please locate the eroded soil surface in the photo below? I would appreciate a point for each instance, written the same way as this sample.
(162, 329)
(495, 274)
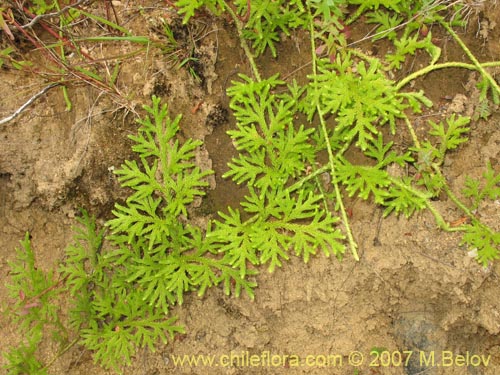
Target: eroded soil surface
(415, 287)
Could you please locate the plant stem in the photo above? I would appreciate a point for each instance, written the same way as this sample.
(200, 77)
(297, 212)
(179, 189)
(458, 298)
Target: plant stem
(67, 100)
(244, 45)
(477, 64)
(64, 350)
(437, 216)
(452, 64)
(308, 177)
(352, 243)
(414, 137)
(454, 198)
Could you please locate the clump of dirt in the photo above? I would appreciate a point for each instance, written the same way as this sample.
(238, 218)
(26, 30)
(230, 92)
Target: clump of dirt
(415, 290)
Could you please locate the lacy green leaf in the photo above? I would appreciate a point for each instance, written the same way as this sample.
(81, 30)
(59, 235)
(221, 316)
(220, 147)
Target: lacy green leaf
(387, 24)
(361, 99)
(478, 190)
(282, 224)
(364, 181)
(484, 241)
(165, 183)
(401, 199)
(189, 7)
(451, 136)
(272, 149)
(408, 45)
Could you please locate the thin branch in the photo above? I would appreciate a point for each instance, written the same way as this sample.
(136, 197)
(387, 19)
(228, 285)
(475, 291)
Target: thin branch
(49, 15)
(25, 105)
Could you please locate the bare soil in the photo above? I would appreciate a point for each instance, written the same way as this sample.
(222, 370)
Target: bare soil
(414, 288)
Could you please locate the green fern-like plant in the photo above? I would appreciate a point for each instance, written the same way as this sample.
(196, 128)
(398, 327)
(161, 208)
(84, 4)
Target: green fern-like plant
(267, 20)
(123, 283)
(361, 97)
(166, 256)
(34, 292)
(477, 191)
(481, 238)
(164, 182)
(264, 20)
(273, 153)
(32, 288)
(292, 142)
(23, 359)
(155, 255)
(108, 314)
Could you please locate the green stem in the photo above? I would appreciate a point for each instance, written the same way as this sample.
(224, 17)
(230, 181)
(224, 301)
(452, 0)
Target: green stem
(355, 16)
(477, 64)
(352, 243)
(439, 219)
(414, 137)
(244, 45)
(64, 350)
(67, 100)
(437, 216)
(454, 198)
(310, 176)
(453, 64)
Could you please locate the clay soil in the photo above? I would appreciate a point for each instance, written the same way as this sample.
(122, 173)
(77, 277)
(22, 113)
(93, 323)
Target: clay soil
(415, 287)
